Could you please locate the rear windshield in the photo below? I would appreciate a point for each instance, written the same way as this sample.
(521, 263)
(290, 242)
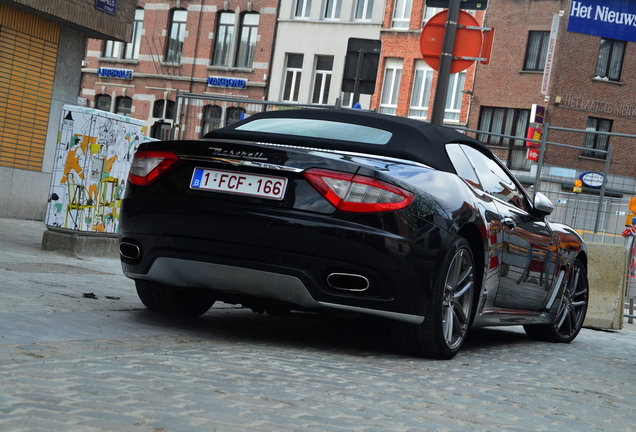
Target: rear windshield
(318, 129)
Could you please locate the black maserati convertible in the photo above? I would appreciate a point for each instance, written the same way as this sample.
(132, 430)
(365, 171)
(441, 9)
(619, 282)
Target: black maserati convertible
(319, 210)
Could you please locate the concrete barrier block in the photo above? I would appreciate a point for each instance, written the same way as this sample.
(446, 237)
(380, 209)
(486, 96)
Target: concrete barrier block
(606, 272)
(80, 244)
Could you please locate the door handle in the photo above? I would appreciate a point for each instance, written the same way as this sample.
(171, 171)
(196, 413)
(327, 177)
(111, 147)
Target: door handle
(509, 222)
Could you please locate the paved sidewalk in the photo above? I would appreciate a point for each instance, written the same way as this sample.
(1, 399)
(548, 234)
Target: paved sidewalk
(101, 362)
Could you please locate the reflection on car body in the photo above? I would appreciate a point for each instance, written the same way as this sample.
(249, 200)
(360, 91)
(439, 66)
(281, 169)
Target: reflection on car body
(320, 210)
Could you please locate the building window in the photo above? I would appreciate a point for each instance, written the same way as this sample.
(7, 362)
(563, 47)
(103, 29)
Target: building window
(224, 39)
(364, 9)
(293, 73)
(322, 79)
(536, 50)
(132, 48)
(129, 51)
(176, 38)
(402, 14)
(303, 8)
(610, 60)
(506, 121)
(163, 109)
(596, 141)
(247, 42)
(430, 12)
(102, 102)
(211, 118)
(234, 114)
(421, 94)
(112, 49)
(332, 9)
(162, 131)
(123, 105)
(391, 86)
(227, 51)
(454, 96)
(347, 99)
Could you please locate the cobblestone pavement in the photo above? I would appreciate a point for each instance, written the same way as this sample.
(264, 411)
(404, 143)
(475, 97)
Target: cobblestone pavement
(70, 362)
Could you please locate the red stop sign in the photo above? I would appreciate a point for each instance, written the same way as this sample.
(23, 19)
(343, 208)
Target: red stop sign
(468, 42)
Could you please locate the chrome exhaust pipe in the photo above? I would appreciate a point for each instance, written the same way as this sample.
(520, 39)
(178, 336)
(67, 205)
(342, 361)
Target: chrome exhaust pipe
(129, 250)
(348, 282)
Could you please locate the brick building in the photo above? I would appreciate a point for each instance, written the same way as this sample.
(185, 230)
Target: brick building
(206, 47)
(591, 87)
(406, 83)
(42, 48)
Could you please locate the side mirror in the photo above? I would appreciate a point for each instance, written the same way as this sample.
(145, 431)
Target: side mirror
(542, 204)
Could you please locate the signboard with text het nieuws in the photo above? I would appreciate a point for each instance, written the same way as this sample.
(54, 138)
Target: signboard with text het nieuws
(612, 19)
(108, 6)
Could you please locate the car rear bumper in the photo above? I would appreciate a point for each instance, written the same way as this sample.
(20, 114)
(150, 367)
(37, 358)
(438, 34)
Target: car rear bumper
(261, 255)
(256, 283)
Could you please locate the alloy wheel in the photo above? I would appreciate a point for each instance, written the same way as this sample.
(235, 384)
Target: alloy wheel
(458, 297)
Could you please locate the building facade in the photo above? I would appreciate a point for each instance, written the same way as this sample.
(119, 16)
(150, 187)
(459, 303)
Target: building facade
(311, 47)
(42, 50)
(205, 47)
(576, 61)
(406, 82)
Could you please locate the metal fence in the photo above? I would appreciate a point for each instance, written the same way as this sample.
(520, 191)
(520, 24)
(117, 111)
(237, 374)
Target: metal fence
(198, 114)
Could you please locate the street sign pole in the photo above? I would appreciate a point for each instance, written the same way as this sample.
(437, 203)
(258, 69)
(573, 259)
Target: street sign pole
(443, 75)
(358, 78)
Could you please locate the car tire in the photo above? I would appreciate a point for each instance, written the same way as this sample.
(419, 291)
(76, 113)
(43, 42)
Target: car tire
(185, 302)
(572, 310)
(449, 312)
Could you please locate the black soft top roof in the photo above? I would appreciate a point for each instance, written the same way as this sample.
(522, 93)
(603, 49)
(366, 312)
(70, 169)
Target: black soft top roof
(411, 139)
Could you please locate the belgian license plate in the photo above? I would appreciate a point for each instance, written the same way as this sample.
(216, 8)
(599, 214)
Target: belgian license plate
(239, 183)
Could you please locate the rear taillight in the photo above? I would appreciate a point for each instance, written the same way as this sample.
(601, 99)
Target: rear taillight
(356, 193)
(148, 166)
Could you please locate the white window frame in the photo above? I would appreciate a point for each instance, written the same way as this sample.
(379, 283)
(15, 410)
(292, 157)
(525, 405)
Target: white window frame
(421, 91)
(322, 77)
(248, 37)
(454, 97)
(430, 12)
(402, 14)
(176, 36)
(225, 29)
(391, 86)
(332, 9)
(302, 9)
(131, 51)
(296, 75)
(364, 10)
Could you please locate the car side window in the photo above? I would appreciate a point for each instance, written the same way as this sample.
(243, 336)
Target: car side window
(462, 165)
(494, 179)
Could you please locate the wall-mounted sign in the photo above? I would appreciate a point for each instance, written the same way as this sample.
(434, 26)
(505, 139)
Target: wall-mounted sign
(537, 114)
(612, 19)
(532, 154)
(227, 82)
(108, 6)
(549, 57)
(592, 179)
(534, 134)
(115, 73)
(562, 172)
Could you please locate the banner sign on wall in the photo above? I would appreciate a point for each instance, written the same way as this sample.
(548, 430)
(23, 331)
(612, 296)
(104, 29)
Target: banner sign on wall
(549, 58)
(612, 19)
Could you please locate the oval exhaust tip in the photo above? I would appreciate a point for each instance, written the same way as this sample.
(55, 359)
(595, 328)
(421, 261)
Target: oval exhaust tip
(348, 282)
(129, 250)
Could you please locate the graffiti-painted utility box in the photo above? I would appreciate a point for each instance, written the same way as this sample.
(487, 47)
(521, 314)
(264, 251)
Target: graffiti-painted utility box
(92, 158)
